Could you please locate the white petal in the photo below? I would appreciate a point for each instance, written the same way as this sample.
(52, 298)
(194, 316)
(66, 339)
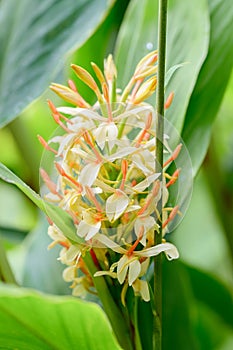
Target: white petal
(122, 153)
(112, 135)
(72, 253)
(134, 271)
(79, 291)
(69, 273)
(144, 290)
(122, 268)
(93, 230)
(146, 183)
(88, 231)
(88, 174)
(107, 242)
(144, 161)
(170, 250)
(105, 273)
(116, 205)
(147, 222)
(100, 135)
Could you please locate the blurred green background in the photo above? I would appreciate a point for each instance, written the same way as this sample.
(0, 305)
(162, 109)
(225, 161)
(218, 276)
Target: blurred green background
(205, 236)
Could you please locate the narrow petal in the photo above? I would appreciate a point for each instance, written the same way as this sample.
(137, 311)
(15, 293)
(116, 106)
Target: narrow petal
(170, 250)
(146, 183)
(134, 271)
(122, 153)
(105, 273)
(100, 135)
(122, 268)
(112, 134)
(107, 242)
(88, 174)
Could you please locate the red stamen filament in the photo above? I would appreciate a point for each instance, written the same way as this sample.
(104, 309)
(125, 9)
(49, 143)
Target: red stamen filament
(124, 169)
(56, 116)
(63, 173)
(46, 145)
(171, 216)
(169, 100)
(92, 197)
(134, 246)
(144, 133)
(150, 198)
(88, 140)
(49, 183)
(173, 178)
(174, 155)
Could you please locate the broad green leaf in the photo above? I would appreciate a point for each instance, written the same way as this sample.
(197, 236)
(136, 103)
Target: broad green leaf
(188, 35)
(212, 82)
(57, 215)
(35, 321)
(35, 37)
(194, 304)
(178, 308)
(98, 46)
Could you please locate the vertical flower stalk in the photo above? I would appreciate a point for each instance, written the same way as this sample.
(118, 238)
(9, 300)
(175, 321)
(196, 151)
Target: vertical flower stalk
(103, 175)
(157, 341)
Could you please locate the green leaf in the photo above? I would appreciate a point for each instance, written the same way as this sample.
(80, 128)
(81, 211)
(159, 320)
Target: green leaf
(197, 305)
(98, 47)
(178, 308)
(211, 83)
(35, 37)
(188, 35)
(210, 291)
(56, 214)
(35, 321)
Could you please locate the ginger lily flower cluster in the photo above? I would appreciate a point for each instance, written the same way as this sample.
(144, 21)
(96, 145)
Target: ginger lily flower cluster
(106, 179)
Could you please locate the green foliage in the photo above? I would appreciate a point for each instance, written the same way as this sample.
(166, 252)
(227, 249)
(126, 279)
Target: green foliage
(212, 82)
(197, 310)
(186, 44)
(33, 46)
(36, 321)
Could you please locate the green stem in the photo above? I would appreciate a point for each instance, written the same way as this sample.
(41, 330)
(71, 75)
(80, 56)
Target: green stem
(6, 274)
(138, 345)
(157, 340)
(114, 314)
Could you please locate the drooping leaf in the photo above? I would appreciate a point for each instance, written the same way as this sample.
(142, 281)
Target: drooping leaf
(188, 35)
(56, 214)
(35, 321)
(212, 82)
(34, 39)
